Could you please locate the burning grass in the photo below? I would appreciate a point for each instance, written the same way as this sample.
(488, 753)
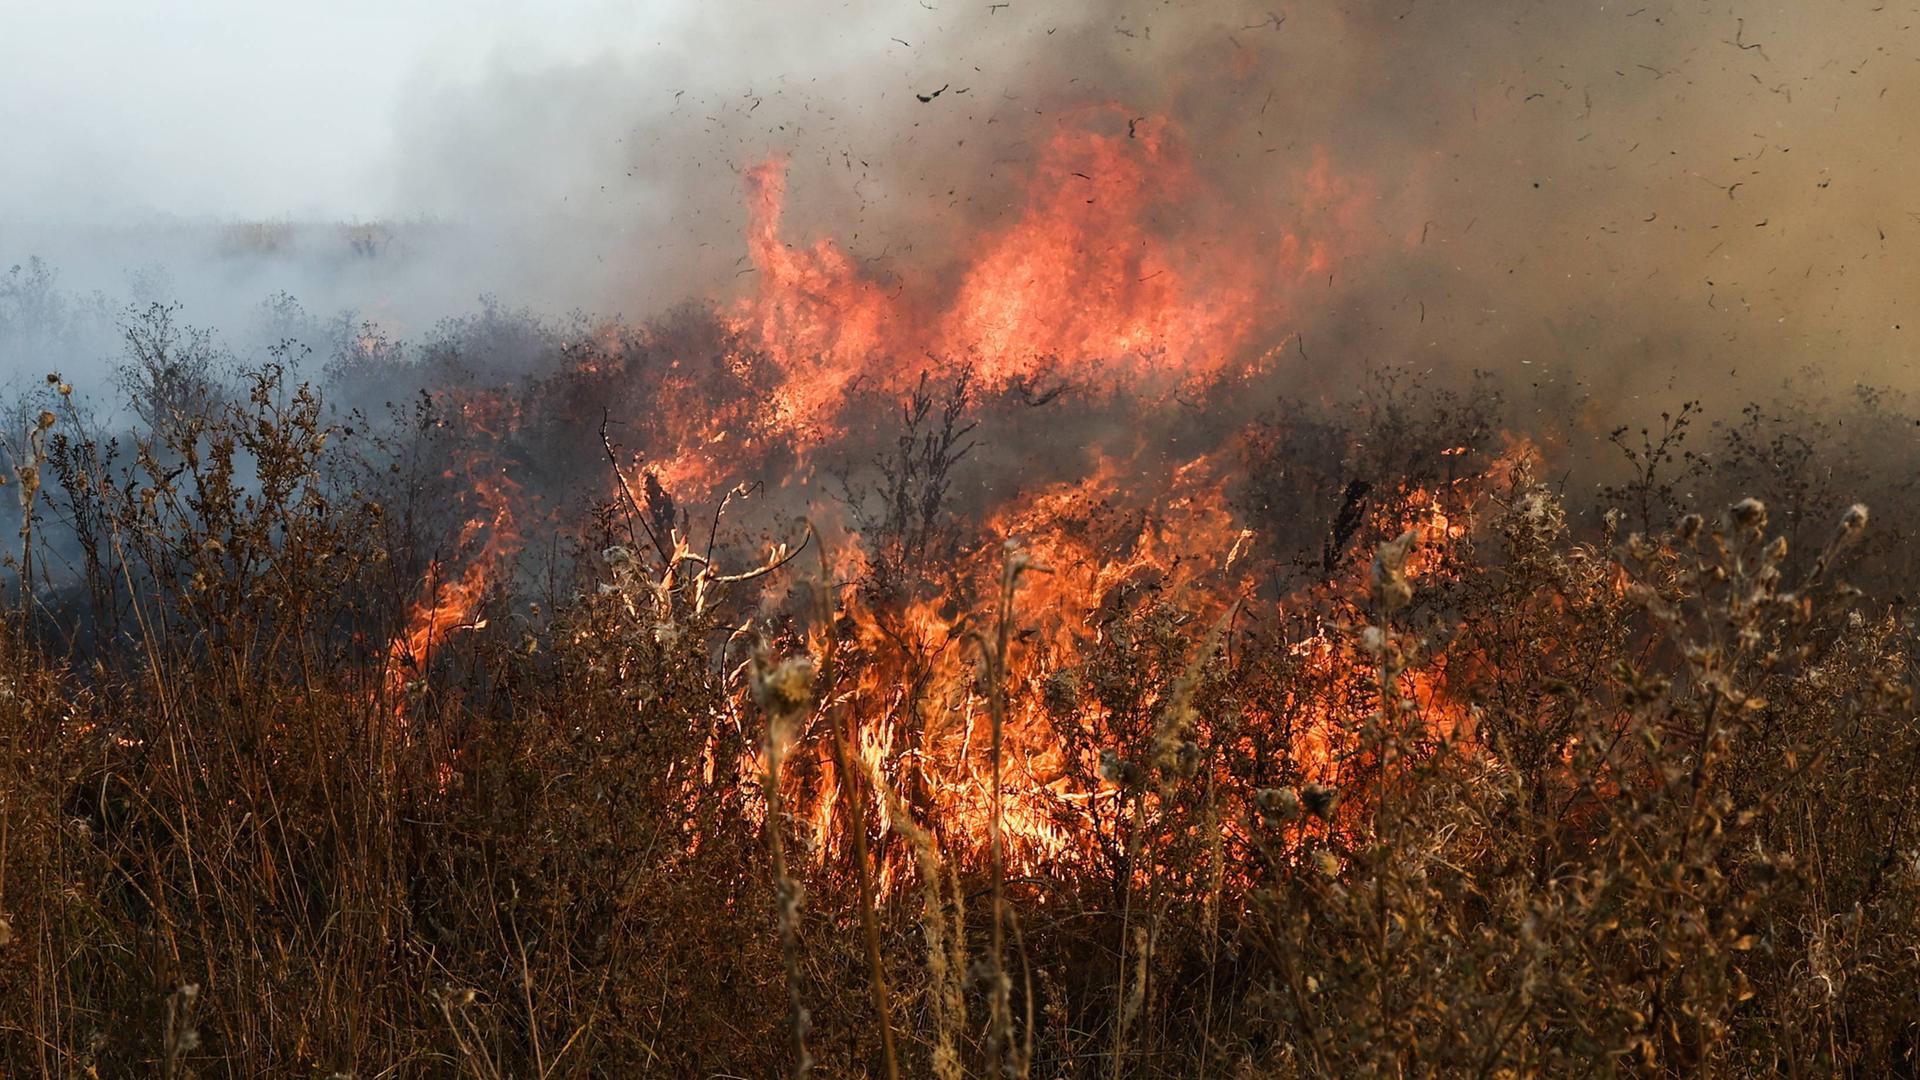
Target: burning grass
(726, 696)
(1145, 773)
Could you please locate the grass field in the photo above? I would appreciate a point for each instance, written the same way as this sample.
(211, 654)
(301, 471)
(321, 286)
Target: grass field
(425, 740)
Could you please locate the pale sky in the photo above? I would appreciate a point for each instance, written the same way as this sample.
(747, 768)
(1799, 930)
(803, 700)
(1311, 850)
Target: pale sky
(119, 109)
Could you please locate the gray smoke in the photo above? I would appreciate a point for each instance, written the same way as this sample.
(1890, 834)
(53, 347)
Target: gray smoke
(1612, 203)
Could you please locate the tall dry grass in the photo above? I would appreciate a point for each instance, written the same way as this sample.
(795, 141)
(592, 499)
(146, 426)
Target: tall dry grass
(1681, 839)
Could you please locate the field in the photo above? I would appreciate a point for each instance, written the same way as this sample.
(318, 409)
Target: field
(441, 737)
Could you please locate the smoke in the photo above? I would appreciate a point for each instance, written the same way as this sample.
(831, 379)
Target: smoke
(1628, 203)
(1621, 203)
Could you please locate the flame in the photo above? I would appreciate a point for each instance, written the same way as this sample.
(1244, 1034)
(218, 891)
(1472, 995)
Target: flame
(1116, 274)
(449, 604)
(1100, 552)
(1113, 277)
(1104, 278)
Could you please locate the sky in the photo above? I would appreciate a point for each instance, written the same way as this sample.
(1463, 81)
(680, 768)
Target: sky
(565, 153)
(127, 109)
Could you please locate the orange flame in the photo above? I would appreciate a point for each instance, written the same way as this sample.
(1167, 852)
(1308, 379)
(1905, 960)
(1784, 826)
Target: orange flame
(1116, 275)
(1105, 278)
(446, 604)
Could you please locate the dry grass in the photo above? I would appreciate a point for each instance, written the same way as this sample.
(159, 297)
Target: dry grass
(1682, 840)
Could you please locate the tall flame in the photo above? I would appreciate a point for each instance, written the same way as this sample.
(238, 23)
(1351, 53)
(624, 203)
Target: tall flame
(1117, 275)
(1112, 274)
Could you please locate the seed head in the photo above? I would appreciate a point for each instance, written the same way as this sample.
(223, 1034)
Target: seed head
(1061, 693)
(1373, 641)
(1118, 771)
(1320, 799)
(785, 688)
(1391, 590)
(1748, 513)
(1280, 804)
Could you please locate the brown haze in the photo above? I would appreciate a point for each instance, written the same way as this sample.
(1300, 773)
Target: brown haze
(1618, 195)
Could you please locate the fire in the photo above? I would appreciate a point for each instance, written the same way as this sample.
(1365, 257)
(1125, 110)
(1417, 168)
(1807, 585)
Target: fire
(1079, 287)
(1114, 276)
(1100, 555)
(1098, 279)
(1108, 277)
(447, 605)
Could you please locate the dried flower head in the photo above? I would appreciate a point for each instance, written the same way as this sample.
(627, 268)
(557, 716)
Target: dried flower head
(1391, 591)
(1281, 804)
(784, 688)
(1748, 513)
(1320, 799)
(1060, 692)
(1118, 771)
